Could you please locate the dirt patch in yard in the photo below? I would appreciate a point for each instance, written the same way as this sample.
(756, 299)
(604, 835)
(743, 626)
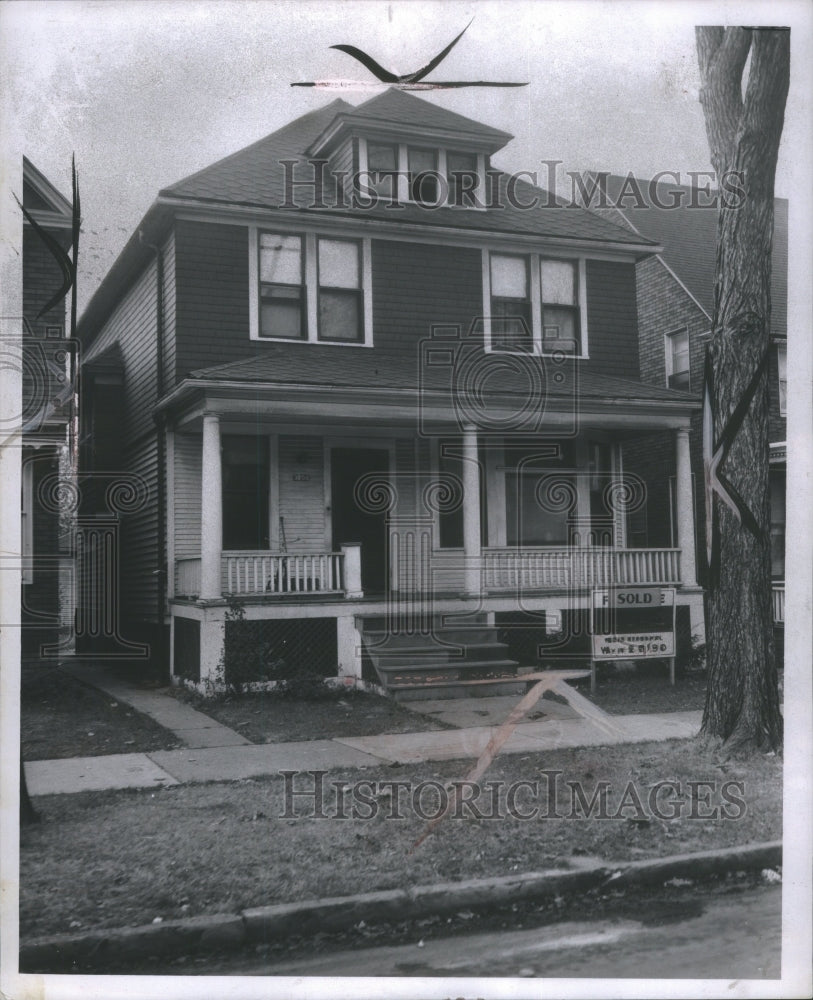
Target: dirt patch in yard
(61, 717)
(272, 717)
(197, 849)
(645, 688)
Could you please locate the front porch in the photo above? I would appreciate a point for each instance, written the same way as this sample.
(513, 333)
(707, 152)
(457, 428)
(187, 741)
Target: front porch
(377, 524)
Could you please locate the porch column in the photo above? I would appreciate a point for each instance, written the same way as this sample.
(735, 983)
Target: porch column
(685, 508)
(211, 510)
(471, 512)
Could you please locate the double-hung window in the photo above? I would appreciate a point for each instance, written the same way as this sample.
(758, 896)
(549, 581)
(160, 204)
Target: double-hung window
(340, 305)
(282, 287)
(310, 288)
(559, 288)
(534, 305)
(677, 360)
(511, 328)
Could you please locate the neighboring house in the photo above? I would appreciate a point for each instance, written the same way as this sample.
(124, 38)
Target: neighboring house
(381, 428)
(675, 307)
(47, 424)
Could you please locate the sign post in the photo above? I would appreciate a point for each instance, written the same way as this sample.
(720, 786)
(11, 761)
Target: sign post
(618, 631)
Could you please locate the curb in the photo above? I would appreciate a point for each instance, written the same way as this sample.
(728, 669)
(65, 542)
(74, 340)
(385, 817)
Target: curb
(225, 931)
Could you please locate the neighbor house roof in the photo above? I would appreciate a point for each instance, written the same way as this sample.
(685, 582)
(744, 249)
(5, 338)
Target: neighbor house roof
(688, 235)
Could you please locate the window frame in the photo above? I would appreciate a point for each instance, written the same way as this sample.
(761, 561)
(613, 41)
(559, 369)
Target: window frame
(402, 194)
(301, 286)
(534, 260)
(354, 293)
(669, 358)
(782, 378)
(310, 243)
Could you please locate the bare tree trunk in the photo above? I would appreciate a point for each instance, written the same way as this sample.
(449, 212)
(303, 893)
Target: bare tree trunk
(742, 698)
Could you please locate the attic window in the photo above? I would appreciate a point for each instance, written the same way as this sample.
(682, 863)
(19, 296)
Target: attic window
(462, 178)
(382, 164)
(423, 176)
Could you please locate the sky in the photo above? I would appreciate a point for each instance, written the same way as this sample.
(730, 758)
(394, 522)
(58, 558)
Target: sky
(145, 93)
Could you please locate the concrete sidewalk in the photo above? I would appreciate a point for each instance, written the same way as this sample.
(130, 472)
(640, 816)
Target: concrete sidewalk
(213, 752)
(229, 763)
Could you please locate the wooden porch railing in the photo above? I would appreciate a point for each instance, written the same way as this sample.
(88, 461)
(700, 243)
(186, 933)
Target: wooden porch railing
(544, 568)
(778, 595)
(269, 573)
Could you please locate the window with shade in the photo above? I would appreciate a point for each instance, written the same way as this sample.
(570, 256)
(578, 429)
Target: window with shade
(782, 372)
(559, 291)
(511, 328)
(282, 287)
(340, 307)
(310, 288)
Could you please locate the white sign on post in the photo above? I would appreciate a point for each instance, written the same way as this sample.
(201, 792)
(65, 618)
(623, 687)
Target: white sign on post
(655, 643)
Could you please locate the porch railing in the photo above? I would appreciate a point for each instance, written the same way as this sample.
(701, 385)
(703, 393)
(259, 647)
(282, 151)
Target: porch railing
(778, 594)
(539, 569)
(268, 573)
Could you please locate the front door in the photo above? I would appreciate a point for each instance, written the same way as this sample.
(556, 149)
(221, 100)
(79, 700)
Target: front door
(351, 523)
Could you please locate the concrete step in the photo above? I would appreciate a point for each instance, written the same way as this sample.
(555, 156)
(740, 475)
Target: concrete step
(463, 667)
(444, 691)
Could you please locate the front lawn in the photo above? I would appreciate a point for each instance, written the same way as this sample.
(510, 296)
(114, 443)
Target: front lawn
(62, 717)
(130, 857)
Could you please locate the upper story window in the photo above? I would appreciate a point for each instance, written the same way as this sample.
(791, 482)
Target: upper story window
(310, 288)
(534, 304)
(511, 326)
(340, 306)
(282, 287)
(677, 360)
(462, 178)
(423, 175)
(382, 164)
(782, 371)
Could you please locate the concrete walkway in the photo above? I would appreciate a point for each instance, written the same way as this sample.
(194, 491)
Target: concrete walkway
(216, 753)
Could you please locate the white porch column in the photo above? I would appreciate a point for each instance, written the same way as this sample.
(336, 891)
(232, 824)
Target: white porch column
(211, 510)
(471, 511)
(348, 642)
(685, 508)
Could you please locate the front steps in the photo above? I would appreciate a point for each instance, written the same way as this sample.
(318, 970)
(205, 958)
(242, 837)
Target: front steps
(456, 661)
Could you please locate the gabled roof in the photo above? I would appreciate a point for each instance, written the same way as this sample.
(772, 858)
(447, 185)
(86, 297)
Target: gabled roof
(689, 239)
(44, 201)
(328, 367)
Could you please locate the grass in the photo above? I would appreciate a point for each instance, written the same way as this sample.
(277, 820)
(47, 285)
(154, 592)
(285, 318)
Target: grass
(61, 717)
(117, 858)
(273, 717)
(645, 688)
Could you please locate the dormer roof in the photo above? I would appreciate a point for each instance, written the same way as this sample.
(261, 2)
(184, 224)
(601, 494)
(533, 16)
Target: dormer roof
(397, 115)
(45, 203)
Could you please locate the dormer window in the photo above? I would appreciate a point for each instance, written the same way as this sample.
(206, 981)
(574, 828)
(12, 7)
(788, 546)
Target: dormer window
(462, 178)
(423, 175)
(391, 173)
(382, 164)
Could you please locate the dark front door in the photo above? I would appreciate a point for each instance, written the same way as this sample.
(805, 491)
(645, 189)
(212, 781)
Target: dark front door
(351, 521)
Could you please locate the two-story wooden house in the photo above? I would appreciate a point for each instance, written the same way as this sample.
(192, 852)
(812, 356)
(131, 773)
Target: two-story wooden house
(48, 413)
(381, 393)
(675, 306)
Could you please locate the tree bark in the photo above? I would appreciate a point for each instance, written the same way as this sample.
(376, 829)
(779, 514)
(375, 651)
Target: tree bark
(742, 697)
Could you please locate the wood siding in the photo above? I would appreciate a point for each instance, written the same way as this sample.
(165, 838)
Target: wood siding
(188, 471)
